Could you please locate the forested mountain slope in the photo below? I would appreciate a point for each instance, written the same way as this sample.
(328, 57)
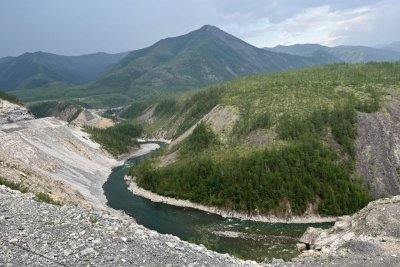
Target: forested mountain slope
(280, 144)
(202, 57)
(35, 70)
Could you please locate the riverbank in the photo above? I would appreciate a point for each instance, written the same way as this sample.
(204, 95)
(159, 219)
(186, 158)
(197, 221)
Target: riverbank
(135, 189)
(143, 149)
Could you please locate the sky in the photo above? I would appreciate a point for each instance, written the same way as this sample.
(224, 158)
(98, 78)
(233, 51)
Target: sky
(75, 27)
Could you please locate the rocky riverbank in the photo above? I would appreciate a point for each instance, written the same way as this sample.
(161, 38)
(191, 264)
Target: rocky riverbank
(135, 189)
(39, 234)
(370, 237)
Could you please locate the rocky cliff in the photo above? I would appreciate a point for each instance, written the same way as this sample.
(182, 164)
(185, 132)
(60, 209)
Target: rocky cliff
(378, 148)
(371, 237)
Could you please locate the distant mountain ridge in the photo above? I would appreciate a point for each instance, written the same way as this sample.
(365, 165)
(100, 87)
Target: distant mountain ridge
(345, 54)
(202, 57)
(32, 70)
(199, 58)
(395, 46)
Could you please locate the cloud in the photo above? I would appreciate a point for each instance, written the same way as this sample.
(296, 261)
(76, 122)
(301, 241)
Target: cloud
(323, 24)
(74, 27)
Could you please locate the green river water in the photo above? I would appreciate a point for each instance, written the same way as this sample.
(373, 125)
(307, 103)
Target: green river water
(256, 241)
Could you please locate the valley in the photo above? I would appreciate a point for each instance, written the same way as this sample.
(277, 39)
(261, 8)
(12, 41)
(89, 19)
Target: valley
(199, 145)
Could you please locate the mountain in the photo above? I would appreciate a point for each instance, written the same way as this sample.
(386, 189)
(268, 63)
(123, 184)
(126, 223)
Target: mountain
(347, 54)
(395, 46)
(34, 70)
(202, 57)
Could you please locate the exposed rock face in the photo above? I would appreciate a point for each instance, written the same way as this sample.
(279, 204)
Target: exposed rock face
(10, 112)
(59, 159)
(52, 148)
(371, 237)
(93, 119)
(47, 235)
(378, 149)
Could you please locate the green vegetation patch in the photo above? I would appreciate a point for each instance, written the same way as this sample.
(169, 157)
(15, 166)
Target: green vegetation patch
(117, 139)
(43, 197)
(12, 185)
(201, 139)
(270, 180)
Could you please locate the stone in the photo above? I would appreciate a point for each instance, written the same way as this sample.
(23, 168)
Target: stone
(301, 247)
(169, 244)
(71, 242)
(88, 251)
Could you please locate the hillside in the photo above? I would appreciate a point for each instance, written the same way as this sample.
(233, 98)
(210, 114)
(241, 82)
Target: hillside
(202, 57)
(346, 54)
(284, 144)
(35, 70)
(48, 156)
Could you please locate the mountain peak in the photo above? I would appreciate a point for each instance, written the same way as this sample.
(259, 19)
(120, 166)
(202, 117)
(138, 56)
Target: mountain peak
(208, 27)
(211, 29)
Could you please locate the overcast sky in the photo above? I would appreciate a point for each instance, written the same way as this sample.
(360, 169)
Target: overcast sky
(74, 27)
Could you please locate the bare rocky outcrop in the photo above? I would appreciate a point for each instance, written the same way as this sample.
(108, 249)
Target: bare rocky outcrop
(64, 111)
(148, 115)
(92, 118)
(10, 112)
(48, 155)
(39, 234)
(378, 148)
(371, 237)
(51, 148)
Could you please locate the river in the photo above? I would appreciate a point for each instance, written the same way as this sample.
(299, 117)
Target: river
(243, 239)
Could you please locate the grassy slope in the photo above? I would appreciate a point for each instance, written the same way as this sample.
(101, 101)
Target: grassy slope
(308, 115)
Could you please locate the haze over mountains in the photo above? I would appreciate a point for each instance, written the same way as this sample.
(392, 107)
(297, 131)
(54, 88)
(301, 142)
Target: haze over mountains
(33, 70)
(202, 57)
(346, 54)
(395, 46)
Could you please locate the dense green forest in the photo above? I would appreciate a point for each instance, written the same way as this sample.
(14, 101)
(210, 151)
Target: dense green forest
(310, 114)
(117, 139)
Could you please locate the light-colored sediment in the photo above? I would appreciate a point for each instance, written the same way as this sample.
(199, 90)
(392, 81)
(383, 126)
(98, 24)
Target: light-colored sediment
(52, 148)
(142, 150)
(135, 189)
(162, 140)
(50, 156)
(92, 118)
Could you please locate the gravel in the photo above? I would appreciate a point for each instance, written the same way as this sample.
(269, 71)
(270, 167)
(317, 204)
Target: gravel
(39, 234)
